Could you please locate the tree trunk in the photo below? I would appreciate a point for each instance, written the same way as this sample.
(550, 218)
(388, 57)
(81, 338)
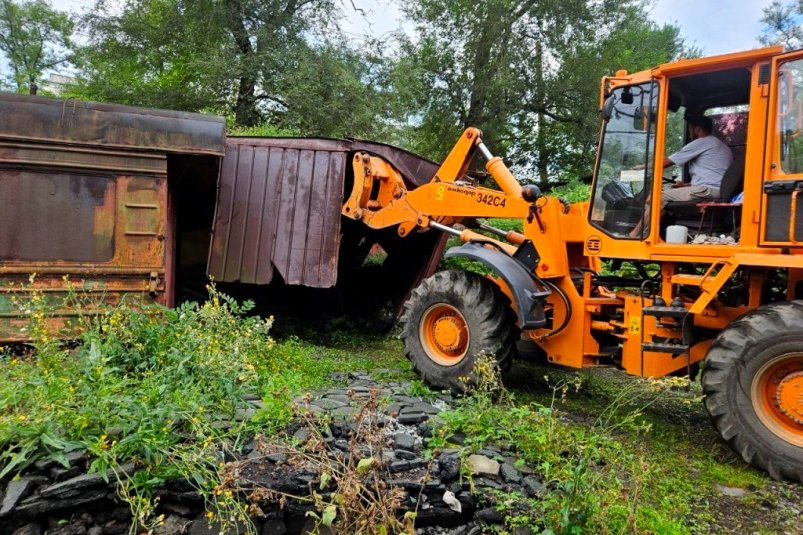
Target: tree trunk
(245, 110)
(542, 158)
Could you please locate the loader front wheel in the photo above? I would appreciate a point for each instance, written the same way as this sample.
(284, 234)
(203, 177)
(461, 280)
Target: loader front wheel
(450, 320)
(753, 388)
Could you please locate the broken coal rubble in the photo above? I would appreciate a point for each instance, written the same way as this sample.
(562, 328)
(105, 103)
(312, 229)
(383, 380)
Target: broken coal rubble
(57, 500)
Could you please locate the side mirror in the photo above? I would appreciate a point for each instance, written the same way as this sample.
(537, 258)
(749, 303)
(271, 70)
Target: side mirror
(627, 96)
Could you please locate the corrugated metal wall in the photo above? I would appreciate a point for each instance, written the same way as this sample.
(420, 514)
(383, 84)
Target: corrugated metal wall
(278, 207)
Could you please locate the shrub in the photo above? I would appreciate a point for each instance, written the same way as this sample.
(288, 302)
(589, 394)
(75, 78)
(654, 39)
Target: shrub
(160, 387)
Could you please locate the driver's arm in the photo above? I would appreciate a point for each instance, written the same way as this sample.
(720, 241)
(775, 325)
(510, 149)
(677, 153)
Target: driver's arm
(667, 163)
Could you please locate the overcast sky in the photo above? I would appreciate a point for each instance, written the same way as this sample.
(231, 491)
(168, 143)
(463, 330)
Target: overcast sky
(716, 26)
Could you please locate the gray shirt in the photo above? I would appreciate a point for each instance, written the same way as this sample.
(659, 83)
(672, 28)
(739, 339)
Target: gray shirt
(708, 159)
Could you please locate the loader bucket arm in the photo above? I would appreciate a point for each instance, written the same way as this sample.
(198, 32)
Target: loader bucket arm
(380, 199)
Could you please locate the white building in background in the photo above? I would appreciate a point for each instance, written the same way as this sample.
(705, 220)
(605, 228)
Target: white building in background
(56, 83)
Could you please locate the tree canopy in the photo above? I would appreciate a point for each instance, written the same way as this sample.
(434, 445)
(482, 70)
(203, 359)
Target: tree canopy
(783, 24)
(527, 72)
(34, 37)
(524, 71)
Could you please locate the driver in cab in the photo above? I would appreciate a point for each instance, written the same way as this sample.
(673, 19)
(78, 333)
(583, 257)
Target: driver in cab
(708, 159)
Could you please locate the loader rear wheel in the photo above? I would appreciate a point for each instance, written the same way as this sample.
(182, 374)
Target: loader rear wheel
(753, 388)
(451, 319)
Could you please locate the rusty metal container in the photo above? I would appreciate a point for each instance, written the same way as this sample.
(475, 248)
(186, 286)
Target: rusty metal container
(85, 202)
(106, 202)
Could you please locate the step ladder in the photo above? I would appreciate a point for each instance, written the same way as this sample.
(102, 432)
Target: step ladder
(682, 324)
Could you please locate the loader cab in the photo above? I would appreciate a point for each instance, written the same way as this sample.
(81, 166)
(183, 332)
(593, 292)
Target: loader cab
(630, 181)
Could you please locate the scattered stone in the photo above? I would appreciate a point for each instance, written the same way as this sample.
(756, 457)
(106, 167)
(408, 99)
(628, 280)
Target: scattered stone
(533, 486)
(37, 506)
(489, 515)
(482, 465)
(418, 463)
(733, 492)
(82, 482)
(243, 414)
(44, 465)
(490, 451)
(15, 491)
(406, 455)
(59, 473)
(277, 458)
(448, 467)
(403, 441)
(393, 409)
(29, 529)
(337, 396)
(302, 435)
(489, 483)
(177, 508)
(74, 458)
(436, 421)
(345, 412)
(399, 466)
(420, 407)
(433, 487)
(510, 474)
(412, 418)
(330, 403)
(457, 438)
(424, 429)
(453, 503)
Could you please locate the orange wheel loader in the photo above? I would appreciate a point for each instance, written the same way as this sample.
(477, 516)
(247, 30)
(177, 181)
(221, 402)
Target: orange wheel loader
(654, 288)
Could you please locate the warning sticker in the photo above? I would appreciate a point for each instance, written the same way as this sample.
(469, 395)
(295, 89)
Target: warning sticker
(635, 325)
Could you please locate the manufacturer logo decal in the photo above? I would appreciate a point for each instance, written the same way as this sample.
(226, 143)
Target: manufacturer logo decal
(593, 245)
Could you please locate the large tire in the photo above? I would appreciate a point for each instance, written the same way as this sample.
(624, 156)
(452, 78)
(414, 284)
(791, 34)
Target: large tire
(451, 319)
(753, 388)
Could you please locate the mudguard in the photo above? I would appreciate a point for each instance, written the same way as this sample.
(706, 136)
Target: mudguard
(528, 296)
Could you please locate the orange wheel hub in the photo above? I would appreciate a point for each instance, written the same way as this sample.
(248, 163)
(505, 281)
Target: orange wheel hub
(778, 397)
(444, 334)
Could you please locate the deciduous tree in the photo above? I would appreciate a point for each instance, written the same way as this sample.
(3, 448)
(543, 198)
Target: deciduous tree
(783, 23)
(34, 37)
(282, 60)
(525, 71)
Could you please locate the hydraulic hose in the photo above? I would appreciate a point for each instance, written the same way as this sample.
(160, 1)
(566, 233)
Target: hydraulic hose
(566, 303)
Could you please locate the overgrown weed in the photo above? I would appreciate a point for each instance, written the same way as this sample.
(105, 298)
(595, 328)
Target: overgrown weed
(351, 492)
(161, 388)
(594, 483)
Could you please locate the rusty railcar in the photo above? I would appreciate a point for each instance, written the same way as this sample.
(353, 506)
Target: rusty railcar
(113, 200)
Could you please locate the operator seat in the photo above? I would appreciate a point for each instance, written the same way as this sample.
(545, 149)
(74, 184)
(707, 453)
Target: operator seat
(687, 213)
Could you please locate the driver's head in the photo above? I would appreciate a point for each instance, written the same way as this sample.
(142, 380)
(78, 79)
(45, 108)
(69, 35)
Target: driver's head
(699, 126)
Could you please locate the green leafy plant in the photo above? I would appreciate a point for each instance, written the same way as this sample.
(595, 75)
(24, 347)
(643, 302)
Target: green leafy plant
(593, 484)
(150, 394)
